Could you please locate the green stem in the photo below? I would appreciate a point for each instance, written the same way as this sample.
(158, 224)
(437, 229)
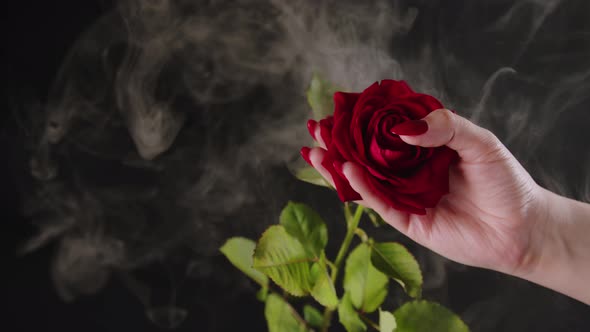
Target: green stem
(369, 321)
(351, 226)
(362, 235)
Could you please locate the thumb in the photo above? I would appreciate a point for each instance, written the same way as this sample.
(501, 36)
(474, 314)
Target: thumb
(473, 143)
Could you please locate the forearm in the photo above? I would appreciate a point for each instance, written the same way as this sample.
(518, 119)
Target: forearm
(563, 248)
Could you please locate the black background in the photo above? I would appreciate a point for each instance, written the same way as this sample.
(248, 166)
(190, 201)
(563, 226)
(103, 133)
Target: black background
(35, 38)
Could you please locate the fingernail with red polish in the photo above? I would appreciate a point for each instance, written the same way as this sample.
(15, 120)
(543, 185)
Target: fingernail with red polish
(311, 127)
(410, 128)
(338, 166)
(305, 154)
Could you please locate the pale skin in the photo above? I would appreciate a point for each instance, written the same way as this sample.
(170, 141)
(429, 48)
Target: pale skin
(495, 215)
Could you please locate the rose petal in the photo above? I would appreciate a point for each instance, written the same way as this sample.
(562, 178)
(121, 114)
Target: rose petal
(426, 102)
(396, 88)
(344, 102)
(371, 98)
(376, 153)
(413, 107)
(401, 161)
(326, 126)
(343, 188)
(392, 198)
(311, 126)
(373, 89)
(433, 175)
(342, 140)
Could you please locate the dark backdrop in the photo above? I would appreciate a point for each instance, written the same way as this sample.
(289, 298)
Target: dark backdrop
(541, 114)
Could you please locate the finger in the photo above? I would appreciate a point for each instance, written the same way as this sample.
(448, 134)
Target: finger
(314, 129)
(314, 157)
(443, 127)
(356, 176)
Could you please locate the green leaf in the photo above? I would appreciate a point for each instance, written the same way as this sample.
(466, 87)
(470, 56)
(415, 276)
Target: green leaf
(313, 316)
(311, 175)
(320, 96)
(281, 257)
(367, 285)
(323, 289)
(304, 224)
(424, 316)
(398, 263)
(348, 316)
(281, 317)
(386, 321)
(239, 251)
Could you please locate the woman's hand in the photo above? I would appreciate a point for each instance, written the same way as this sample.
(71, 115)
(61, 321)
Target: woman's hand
(494, 208)
(495, 215)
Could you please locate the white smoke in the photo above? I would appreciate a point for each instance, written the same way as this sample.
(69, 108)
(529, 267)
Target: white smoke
(171, 121)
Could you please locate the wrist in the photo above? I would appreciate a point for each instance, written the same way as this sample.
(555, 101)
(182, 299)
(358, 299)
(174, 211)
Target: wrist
(545, 235)
(559, 254)
(538, 235)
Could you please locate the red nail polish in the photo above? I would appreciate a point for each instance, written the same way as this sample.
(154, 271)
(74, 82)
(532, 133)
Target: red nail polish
(311, 127)
(410, 128)
(338, 166)
(305, 154)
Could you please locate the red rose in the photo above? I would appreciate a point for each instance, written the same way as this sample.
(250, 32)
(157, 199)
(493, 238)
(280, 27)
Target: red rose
(409, 178)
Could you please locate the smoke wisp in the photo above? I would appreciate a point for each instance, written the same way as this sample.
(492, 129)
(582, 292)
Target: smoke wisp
(172, 123)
